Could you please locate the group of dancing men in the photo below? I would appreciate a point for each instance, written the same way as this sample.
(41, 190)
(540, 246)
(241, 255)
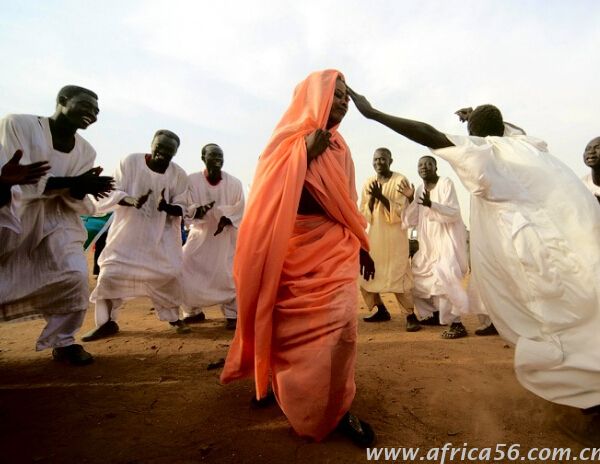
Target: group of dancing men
(287, 268)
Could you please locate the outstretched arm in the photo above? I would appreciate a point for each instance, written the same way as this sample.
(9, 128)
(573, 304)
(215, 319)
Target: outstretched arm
(416, 131)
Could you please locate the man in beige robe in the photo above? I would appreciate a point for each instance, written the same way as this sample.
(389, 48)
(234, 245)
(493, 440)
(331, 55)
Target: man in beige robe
(382, 205)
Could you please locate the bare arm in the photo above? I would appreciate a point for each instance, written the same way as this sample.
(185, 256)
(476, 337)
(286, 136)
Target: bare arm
(417, 131)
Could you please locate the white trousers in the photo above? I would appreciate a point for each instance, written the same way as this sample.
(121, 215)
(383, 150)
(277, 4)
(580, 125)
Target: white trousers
(425, 307)
(229, 310)
(108, 310)
(60, 330)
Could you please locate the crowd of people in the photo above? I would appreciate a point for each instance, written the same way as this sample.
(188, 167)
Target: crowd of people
(285, 267)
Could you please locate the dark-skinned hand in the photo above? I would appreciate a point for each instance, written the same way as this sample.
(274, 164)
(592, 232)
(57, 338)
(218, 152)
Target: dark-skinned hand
(202, 210)
(223, 222)
(92, 183)
(407, 189)
(316, 144)
(425, 200)
(14, 173)
(367, 265)
(375, 190)
(464, 114)
(361, 103)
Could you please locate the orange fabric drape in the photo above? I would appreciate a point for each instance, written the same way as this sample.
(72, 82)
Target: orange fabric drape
(271, 214)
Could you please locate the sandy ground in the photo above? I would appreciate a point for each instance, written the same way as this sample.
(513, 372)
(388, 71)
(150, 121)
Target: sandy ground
(149, 398)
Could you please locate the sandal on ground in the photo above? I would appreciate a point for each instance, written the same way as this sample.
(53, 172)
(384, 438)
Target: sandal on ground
(456, 330)
(358, 431)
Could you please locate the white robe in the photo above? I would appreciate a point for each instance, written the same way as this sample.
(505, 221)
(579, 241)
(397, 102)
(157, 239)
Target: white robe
(143, 256)
(441, 263)
(536, 259)
(9, 218)
(388, 239)
(43, 270)
(208, 259)
(589, 183)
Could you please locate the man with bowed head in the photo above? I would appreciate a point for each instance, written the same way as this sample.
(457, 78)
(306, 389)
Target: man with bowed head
(539, 279)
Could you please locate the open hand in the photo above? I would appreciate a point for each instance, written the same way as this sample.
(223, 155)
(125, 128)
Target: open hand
(367, 266)
(140, 201)
(375, 190)
(92, 183)
(202, 210)
(425, 200)
(464, 114)
(316, 143)
(362, 104)
(14, 173)
(407, 189)
(223, 222)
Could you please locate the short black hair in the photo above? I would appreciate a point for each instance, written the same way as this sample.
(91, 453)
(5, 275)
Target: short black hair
(486, 120)
(69, 91)
(384, 150)
(430, 157)
(205, 148)
(169, 134)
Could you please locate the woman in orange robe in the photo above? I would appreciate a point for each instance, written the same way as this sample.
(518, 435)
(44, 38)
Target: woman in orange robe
(300, 245)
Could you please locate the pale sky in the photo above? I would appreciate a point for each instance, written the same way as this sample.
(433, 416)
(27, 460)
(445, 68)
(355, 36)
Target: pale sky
(224, 72)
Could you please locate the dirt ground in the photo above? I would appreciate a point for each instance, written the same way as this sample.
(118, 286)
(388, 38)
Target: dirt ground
(149, 397)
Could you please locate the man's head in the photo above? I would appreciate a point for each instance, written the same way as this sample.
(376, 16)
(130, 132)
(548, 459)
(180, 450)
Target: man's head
(382, 160)
(212, 155)
(486, 120)
(427, 167)
(591, 154)
(77, 105)
(339, 106)
(164, 147)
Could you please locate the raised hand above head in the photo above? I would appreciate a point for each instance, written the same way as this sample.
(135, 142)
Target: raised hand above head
(362, 104)
(14, 173)
(464, 113)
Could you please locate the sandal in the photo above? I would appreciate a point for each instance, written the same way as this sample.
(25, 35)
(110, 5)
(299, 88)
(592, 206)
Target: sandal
(358, 431)
(456, 330)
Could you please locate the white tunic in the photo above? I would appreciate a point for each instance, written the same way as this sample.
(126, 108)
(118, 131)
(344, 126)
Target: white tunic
(208, 259)
(143, 256)
(589, 183)
(43, 270)
(388, 239)
(9, 218)
(441, 263)
(536, 259)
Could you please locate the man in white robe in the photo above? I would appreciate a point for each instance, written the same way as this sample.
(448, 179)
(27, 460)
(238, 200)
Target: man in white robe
(382, 205)
(142, 256)
(591, 158)
(216, 206)
(440, 264)
(476, 306)
(536, 258)
(43, 270)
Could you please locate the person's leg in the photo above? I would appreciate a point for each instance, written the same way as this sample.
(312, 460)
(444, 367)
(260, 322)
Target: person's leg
(230, 312)
(374, 300)
(59, 334)
(486, 327)
(105, 315)
(405, 300)
(426, 311)
(171, 315)
(193, 315)
(456, 329)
